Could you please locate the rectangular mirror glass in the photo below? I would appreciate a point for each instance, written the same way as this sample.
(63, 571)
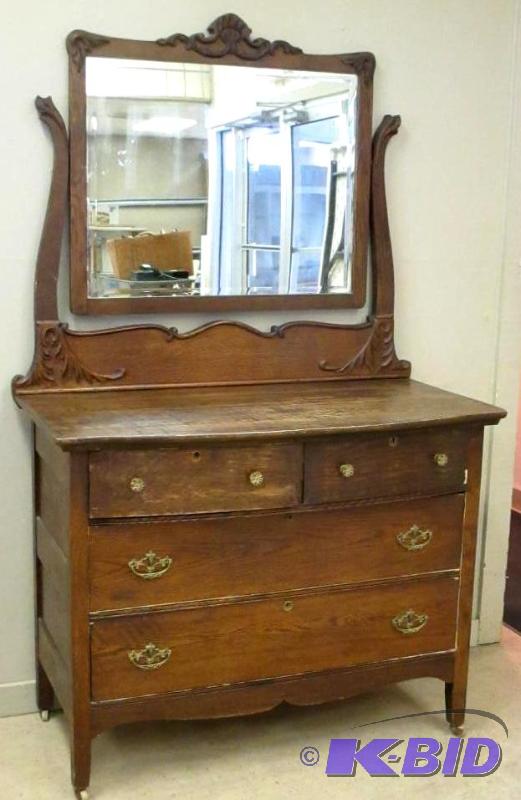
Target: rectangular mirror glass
(218, 180)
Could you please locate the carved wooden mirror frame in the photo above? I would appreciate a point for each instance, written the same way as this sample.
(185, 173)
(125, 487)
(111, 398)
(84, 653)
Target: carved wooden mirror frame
(228, 41)
(219, 353)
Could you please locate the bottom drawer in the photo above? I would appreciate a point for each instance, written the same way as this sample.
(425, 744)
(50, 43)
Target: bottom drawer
(248, 641)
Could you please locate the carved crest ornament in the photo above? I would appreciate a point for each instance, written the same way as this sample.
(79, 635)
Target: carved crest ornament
(229, 35)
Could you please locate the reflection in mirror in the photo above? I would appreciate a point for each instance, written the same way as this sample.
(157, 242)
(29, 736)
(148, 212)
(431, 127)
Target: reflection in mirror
(218, 180)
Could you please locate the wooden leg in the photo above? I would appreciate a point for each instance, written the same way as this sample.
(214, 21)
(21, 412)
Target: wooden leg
(455, 696)
(44, 693)
(80, 761)
(80, 714)
(456, 691)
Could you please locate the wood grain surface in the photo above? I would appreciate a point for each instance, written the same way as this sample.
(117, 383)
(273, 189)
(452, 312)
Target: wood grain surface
(264, 553)
(163, 416)
(385, 465)
(188, 480)
(249, 641)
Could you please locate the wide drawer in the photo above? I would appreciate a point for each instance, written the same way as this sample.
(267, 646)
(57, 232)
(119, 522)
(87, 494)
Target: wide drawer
(383, 465)
(141, 564)
(258, 639)
(188, 480)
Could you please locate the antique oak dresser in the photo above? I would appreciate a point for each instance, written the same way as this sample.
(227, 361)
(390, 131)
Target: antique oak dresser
(229, 519)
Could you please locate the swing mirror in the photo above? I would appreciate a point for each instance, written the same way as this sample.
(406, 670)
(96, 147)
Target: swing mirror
(211, 180)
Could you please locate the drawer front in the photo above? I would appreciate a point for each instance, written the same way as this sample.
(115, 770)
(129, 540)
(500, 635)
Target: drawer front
(140, 564)
(383, 465)
(191, 480)
(249, 641)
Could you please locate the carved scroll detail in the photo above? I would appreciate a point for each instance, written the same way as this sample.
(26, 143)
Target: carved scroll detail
(229, 35)
(275, 330)
(363, 64)
(57, 365)
(81, 43)
(376, 356)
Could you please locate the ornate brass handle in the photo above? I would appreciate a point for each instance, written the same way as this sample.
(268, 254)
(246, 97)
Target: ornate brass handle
(415, 538)
(410, 622)
(256, 478)
(150, 566)
(137, 485)
(441, 459)
(346, 470)
(151, 657)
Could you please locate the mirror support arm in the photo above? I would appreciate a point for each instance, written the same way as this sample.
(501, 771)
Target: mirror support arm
(49, 252)
(381, 248)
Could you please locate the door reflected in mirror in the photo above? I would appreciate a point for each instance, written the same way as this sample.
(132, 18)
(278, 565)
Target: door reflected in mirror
(218, 180)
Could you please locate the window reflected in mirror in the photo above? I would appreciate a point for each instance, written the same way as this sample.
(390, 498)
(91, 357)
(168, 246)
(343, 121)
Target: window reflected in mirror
(218, 180)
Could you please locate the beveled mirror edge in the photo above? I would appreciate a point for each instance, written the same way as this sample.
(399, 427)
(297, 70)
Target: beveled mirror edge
(228, 41)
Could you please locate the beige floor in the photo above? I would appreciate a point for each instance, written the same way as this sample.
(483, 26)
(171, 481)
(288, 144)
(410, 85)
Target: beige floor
(258, 758)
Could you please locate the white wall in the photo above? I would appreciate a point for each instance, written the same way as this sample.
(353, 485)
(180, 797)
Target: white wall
(497, 500)
(445, 65)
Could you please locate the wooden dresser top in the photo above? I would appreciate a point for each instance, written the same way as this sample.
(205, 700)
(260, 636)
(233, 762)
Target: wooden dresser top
(95, 419)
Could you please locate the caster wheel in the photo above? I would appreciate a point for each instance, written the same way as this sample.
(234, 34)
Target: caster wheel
(45, 716)
(457, 730)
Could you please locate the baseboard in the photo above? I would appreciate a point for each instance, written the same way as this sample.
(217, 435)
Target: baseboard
(17, 698)
(474, 633)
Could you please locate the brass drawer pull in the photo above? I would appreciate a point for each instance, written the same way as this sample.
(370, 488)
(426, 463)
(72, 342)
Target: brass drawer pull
(441, 459)
(346, 470)
(151, 657)
(150, 566)
(287, 605)
(256, 478)
(137, 485)
(415, 538)
(410, 622)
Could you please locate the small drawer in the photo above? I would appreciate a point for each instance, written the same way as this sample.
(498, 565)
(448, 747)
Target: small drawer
(133, 565)
(189, 480)
(382, 465)
(261, 639)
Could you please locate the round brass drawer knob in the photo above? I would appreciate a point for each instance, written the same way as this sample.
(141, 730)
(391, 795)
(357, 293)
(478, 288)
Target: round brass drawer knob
(346, 470)
(256, 478)
(137, 485)
(287, 605)
(441, 459)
